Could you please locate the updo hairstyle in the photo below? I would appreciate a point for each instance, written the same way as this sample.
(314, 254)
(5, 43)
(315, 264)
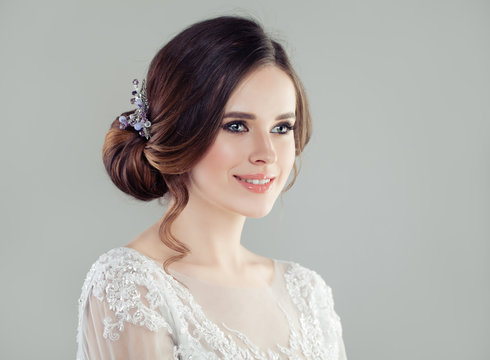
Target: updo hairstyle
(188, 84)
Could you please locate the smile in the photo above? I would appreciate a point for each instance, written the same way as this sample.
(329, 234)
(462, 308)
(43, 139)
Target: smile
(256, 183)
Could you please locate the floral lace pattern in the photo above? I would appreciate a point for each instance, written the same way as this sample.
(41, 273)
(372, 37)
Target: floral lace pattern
(139, 292)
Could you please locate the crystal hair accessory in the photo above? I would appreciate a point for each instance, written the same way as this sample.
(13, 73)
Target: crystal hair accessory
(138, 119)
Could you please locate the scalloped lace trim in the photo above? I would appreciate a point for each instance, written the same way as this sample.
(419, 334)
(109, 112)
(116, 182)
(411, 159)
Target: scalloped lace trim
(117, 276)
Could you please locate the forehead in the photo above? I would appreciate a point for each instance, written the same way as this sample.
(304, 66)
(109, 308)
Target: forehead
(267, 90)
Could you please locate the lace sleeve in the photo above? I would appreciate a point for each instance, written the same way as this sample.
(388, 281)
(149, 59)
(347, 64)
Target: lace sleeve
(329, 319)
(105, 337)
(121, 316)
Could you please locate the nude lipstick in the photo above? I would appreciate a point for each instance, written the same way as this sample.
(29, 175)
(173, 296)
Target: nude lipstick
(258, 183)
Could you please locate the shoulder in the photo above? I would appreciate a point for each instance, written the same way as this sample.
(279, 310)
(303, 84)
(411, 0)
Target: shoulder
(129, 287)
(304, 281)
(301, 274)
(119, 266)
(313, 296)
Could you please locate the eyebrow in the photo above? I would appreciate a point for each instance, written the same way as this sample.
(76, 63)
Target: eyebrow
(248, 116)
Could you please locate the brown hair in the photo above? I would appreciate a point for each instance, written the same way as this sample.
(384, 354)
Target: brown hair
(188, 84)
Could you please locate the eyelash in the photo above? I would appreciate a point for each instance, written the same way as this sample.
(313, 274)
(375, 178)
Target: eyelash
(227, 127)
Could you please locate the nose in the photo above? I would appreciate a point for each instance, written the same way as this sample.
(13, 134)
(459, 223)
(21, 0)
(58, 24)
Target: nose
(263, 150)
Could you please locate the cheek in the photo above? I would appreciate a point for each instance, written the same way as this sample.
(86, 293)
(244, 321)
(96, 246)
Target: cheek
(288, 155)
(219, 158)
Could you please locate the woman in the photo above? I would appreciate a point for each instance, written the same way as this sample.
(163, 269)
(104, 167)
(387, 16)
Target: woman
(216, 132)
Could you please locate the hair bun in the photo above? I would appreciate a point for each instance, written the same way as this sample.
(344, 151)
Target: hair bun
(127, 166)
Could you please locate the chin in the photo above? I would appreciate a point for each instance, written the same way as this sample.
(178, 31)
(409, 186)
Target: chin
(257, 212)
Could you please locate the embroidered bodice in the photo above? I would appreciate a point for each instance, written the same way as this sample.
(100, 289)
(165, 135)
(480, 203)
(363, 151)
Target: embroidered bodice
(130, 308)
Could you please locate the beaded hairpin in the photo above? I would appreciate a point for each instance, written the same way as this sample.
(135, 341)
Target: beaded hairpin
(138, 120)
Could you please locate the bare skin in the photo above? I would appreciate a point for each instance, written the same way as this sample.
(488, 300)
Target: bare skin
(253, 270)
(211, 224)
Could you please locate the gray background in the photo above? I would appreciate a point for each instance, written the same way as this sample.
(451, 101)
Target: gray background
(391, 207)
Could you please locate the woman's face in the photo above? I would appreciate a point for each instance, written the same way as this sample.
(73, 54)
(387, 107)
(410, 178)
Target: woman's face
(247, 166)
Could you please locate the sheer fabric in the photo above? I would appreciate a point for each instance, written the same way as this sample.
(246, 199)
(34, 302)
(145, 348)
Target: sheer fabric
(130, 308)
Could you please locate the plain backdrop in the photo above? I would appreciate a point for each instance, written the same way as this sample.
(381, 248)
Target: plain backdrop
(392, 205)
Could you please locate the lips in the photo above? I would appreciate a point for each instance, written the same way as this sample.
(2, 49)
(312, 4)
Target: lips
(258, 183)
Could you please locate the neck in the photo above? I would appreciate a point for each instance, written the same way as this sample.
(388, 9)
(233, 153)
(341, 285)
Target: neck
(212, 234)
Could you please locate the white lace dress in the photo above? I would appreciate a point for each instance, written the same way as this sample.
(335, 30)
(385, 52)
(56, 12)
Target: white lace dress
(130, 308)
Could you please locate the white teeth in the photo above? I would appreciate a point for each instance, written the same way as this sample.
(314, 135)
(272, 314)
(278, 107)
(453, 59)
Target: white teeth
(256, 181)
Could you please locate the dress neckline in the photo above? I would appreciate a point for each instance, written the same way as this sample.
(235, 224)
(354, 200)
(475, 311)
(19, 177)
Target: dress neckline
(207, 283)
(213, 327)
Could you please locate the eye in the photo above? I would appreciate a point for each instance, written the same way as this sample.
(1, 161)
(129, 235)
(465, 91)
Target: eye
(283, 128)
(235, 126)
